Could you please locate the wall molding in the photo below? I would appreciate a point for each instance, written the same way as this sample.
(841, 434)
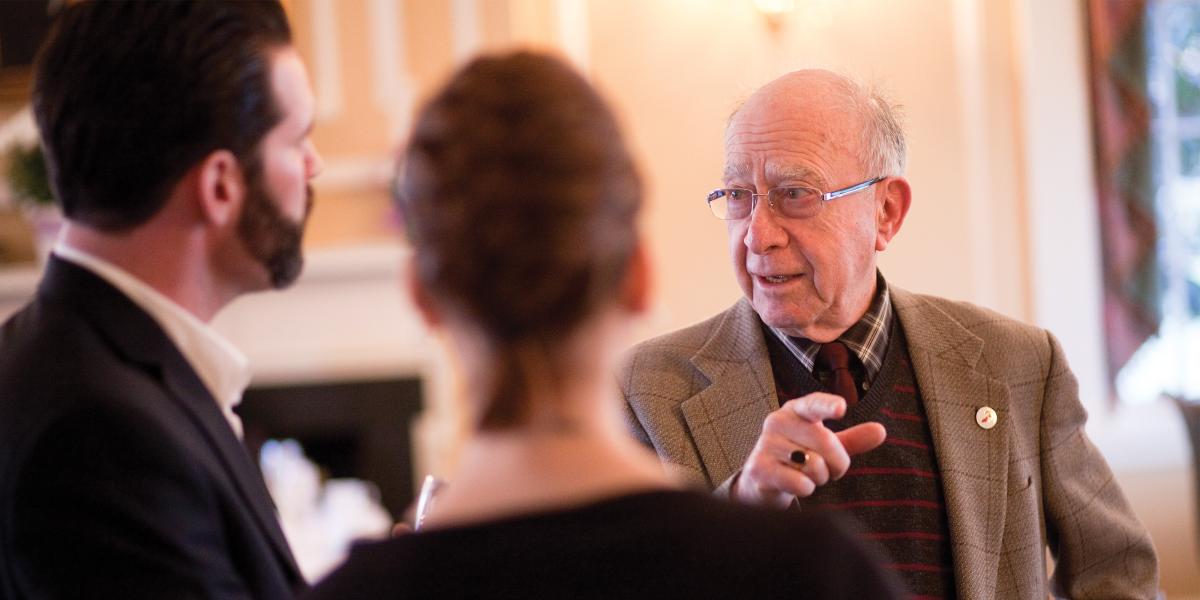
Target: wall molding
(327, 59)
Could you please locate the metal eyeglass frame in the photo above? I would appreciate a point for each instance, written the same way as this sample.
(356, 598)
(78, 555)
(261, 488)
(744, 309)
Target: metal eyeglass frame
(825, 197)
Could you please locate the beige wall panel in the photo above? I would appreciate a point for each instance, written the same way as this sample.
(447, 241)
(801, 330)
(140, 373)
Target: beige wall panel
(1009, 243)
(532, 23)
(429, 39)
(495, 18)
(355, 130)
(363, 216)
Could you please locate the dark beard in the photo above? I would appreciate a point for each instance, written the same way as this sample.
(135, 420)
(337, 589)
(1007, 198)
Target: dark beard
(270, 237)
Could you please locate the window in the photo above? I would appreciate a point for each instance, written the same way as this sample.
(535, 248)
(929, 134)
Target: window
(1169, 361)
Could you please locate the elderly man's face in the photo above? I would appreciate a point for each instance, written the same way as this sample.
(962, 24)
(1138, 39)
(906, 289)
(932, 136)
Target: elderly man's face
(811, 277)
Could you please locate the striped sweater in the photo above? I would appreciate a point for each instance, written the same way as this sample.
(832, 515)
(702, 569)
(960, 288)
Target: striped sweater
(894, 492)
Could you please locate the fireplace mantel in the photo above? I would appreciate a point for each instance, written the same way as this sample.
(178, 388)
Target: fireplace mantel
(344, 318)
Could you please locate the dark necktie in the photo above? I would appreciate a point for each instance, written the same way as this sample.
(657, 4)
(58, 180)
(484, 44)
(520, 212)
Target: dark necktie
(836, 357)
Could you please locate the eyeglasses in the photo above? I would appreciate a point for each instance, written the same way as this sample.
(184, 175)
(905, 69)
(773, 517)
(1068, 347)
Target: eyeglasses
(796, 202)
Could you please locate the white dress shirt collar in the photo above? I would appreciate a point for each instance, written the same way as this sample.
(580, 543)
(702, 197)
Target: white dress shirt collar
(223, 368)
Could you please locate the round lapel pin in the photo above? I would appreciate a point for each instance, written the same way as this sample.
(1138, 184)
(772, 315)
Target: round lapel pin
(986, 417)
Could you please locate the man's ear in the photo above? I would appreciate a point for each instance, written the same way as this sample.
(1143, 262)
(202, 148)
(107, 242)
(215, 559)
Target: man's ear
(891, 210)
(220, 187)
(636, 289)
(419, 295)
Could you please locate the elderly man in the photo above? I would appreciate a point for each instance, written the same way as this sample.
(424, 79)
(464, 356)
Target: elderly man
(177, 139)
(965, 427)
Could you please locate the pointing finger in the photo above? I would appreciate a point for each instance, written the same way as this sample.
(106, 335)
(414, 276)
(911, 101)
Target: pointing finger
(862, 438)
(818, 406)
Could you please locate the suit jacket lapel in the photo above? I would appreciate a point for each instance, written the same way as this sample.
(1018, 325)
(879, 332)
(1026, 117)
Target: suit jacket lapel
(141, 340)
(726, 417)
(973, 461)
(195, 397)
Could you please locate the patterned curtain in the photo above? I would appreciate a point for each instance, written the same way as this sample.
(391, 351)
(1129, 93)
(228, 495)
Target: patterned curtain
(1121, 119)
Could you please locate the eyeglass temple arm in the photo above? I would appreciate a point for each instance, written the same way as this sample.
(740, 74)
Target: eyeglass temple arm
(850, 190)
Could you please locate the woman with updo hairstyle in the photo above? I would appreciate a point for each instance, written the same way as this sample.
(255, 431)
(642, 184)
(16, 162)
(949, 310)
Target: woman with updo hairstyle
(520, 201)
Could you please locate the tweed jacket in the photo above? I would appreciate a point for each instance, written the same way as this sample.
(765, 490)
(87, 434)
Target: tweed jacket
(698, 396)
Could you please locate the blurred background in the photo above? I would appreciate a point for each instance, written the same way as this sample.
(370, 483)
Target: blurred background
(1054, 160)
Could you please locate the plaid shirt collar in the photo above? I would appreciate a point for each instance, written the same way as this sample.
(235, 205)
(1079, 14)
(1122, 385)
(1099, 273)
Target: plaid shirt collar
(867, 339)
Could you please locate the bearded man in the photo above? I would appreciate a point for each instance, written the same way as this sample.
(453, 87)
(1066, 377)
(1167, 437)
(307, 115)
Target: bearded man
(177, 140)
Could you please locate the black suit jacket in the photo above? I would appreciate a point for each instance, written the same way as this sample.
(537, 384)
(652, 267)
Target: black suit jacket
(119, 476)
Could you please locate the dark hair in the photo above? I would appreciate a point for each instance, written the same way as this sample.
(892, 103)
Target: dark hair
(520, 200)
(131, 94)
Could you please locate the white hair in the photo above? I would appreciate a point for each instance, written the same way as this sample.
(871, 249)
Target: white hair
(882, 133)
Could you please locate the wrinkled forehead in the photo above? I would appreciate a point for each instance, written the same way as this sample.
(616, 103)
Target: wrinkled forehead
(794, 141)
(739, 167)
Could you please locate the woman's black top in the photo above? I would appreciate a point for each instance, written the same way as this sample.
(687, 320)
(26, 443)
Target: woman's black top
(663, 544)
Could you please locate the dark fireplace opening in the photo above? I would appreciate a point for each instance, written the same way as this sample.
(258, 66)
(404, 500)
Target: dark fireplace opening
(337, 455)
(359, 429)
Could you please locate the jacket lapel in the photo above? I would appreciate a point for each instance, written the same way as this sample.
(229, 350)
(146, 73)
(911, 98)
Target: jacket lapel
(726, 417)
(186, 386)
(141, 340)
(973, 461)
